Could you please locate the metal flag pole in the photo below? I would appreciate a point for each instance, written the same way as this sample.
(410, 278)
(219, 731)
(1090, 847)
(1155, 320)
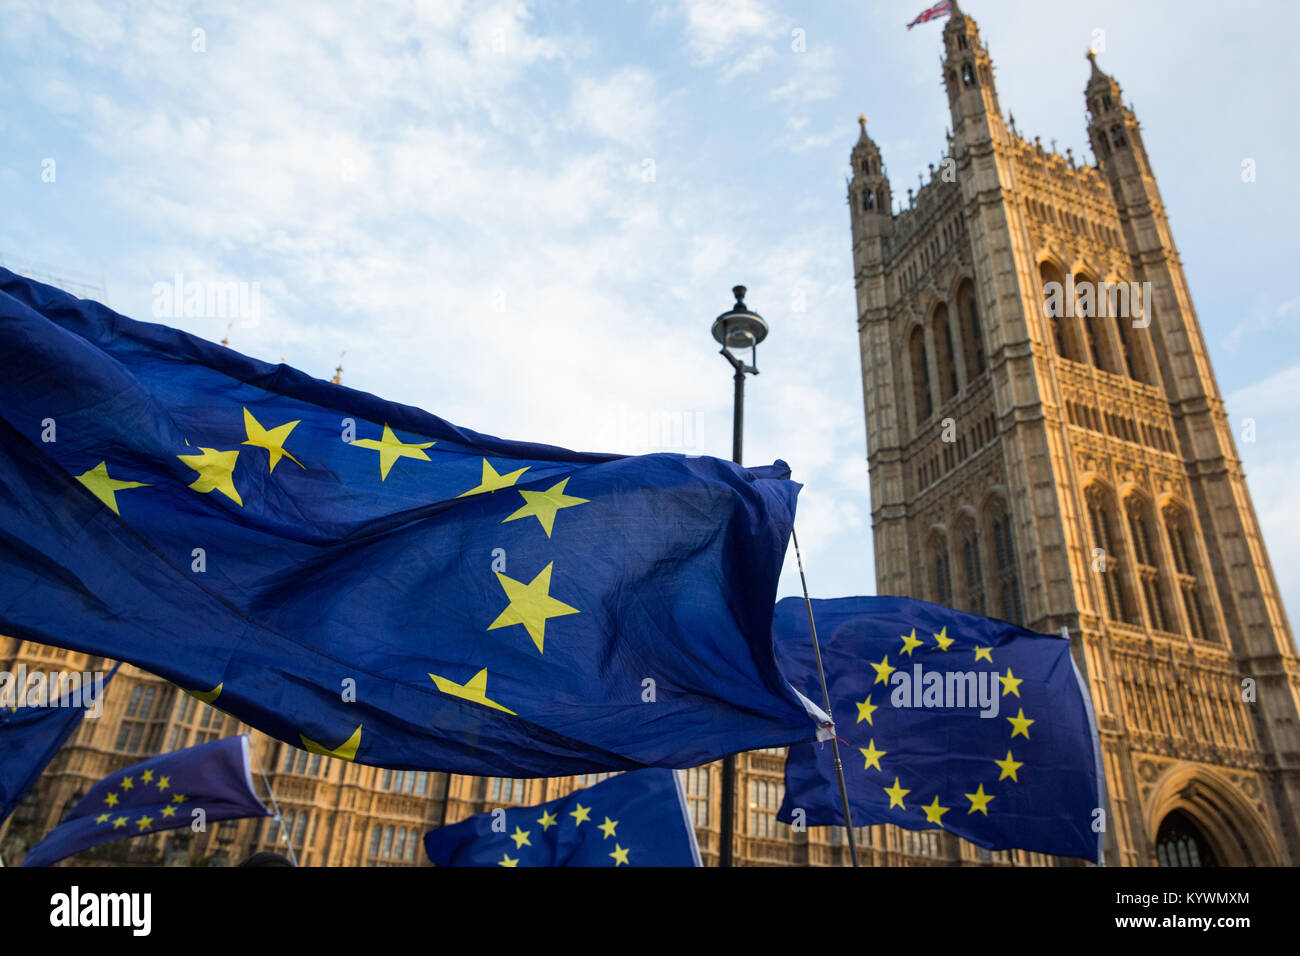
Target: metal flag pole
(284, 832)
(826, 703)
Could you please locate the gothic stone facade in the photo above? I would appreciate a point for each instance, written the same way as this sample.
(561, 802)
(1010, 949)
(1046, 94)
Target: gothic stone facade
(1069, 467)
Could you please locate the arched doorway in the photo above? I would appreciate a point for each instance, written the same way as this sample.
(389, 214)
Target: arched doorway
(1195, 806)
(1180, 842)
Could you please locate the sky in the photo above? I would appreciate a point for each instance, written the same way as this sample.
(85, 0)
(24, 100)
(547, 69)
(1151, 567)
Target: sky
(524, 216)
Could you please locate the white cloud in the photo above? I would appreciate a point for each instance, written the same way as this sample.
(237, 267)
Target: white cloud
(715, 29)
(622, 107)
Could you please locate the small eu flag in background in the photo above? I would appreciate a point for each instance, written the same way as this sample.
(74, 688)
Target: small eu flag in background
(161, 793)
(953, 721)
(367, 581)
(31, 736)
(632, 819)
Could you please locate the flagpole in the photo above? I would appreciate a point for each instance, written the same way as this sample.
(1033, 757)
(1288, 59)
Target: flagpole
(826, 703)
(293, 857)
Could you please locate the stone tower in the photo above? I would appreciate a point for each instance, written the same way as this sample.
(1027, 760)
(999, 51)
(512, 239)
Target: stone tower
(1048, 445)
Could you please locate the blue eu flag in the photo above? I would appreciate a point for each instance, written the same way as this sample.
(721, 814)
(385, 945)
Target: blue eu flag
(632, 819)
(161, 793)
(953, 721)
(367, 581)
(30, 736)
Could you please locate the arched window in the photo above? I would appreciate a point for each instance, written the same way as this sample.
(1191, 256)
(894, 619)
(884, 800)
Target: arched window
(972, 335)
(972, 568)
(922, 403)
(940, 572)
(1085, 307)
(1117, 136)
(946, 359)
(869, 200)
(1180, 842)
(1092, 306)
(1004, 555)
(1128, 307)
(1109, 564)
(967, 75)
(1055, 309)
(1148, 563)
(1187, 567)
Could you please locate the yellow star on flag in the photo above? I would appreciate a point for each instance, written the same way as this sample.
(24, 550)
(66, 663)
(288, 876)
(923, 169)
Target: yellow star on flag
(111, 799)
(979, 800)
(984, 654)
(520, 837)
(179, 798)
(272, 439)
(619, 855)
(530, 605)
(391, 448)
(1009, 767)
(164, 783)
(492, 481)
(543, 505)
(127, 783)
(547, 820)
(344, 751)
(1021, 724)
(474, 689)
(910, 642)
(507, 861)
(872, 754)
(608, 828)
(119, 823)
(865, 709)
(102, 818)
(942, 639)
(144, 822)
(1011, 683)
(146, 777)
(581, 814)
(169, 810)
(99, 484)
(934, 813)
(216, 472)
(883, 670)
(896, 795)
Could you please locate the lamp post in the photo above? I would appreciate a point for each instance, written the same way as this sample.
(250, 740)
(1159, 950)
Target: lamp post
(739, 329)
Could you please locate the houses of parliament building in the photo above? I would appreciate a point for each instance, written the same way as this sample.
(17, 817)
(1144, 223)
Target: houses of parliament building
(1055, 467)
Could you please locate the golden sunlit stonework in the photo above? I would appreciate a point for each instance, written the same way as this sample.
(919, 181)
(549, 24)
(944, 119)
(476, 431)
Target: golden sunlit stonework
(1074, 466)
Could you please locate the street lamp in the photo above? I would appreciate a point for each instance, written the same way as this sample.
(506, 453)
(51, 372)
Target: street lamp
(741, 328)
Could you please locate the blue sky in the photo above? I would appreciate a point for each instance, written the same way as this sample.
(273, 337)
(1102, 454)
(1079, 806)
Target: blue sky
(524, 216)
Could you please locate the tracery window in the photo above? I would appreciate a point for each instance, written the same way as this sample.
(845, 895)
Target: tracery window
(922, 402)
(1114, 583)
(1004, 554)
(1187, 568)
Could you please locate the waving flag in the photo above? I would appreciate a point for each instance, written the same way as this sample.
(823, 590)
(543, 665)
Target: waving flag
(161, 793)
(938, 10)
(31, 736)
(632, 819)
(954, 722)
(367, 581)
